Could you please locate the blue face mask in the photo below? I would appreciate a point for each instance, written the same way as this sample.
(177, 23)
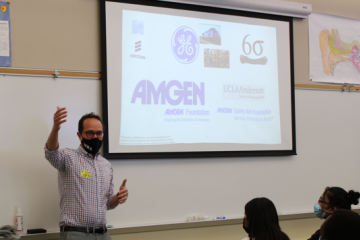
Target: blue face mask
(318, 212)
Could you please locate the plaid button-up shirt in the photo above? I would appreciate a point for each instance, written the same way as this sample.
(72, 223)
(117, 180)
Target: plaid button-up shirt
(85, 185)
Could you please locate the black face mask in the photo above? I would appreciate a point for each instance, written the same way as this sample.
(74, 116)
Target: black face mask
(245, 228)
(91, 146)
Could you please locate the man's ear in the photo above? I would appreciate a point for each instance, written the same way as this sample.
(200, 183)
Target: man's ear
(79, 136)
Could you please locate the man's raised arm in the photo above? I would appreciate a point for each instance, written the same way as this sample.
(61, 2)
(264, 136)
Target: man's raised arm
(59, 118)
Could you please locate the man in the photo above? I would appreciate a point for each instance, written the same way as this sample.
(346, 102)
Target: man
(85, 180)
(343, 224)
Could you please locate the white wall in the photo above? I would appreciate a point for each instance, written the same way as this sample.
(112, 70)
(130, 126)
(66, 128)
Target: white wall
(26, 178)
(326, 127)
(168, 190)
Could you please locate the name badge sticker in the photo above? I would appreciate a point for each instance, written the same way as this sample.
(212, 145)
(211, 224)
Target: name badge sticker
(85, 174)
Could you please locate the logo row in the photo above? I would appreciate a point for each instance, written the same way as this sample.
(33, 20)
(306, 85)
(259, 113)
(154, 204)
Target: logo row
(185, 46)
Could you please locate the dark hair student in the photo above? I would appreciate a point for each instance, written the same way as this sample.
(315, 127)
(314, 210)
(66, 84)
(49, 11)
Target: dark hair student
(261, 220)
(343, 224)
(332, 199)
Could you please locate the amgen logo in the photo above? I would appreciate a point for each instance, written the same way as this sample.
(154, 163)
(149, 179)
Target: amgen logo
(173, 92)
(185, 45)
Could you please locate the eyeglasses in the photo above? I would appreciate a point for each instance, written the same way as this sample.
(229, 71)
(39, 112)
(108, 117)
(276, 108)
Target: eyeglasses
(320, 201)
(91, 134)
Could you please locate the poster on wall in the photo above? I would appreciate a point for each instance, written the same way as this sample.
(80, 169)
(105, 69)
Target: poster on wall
(334, 49)
(5, 39)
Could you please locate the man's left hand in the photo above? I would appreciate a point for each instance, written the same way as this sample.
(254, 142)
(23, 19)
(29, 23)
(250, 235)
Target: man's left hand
(123, 193)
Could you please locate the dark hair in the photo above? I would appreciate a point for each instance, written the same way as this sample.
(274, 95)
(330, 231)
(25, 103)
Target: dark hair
(86, 116)
(263, 220)
(341, 199)
(343, 224)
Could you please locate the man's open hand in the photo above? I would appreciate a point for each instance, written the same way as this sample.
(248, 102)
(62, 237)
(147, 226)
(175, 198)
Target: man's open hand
(59, 118)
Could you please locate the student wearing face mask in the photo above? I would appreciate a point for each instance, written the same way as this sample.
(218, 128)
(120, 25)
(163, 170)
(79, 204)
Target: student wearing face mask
(85, 180)
(332, 199)
(261, 221)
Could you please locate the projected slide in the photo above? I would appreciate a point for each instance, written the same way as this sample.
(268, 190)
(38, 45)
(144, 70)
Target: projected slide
(194, 83)
(190, 80)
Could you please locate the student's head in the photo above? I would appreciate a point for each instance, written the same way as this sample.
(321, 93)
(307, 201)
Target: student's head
(342, 225)
(261, 220)
(334, 198)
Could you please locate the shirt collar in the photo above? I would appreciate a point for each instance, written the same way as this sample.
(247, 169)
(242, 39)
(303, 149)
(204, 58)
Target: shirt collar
(89, 155)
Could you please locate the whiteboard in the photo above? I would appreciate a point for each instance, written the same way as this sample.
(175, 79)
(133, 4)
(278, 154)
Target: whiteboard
(168, 190)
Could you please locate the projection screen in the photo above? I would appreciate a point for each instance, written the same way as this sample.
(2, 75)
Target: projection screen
(182, 80)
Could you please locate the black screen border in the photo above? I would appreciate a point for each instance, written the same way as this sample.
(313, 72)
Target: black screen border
(200, 154)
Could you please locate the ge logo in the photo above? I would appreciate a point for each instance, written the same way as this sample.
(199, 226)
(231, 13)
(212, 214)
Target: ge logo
(257, 50)
(185, 45)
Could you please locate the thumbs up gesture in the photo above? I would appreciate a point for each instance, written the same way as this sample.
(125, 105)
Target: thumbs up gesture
(123, 194)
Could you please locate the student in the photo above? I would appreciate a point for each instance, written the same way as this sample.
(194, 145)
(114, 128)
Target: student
(342, 225)
(332, 199)
(261, 221)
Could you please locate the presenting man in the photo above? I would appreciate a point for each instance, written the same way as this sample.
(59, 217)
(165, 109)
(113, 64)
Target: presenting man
(85, 180)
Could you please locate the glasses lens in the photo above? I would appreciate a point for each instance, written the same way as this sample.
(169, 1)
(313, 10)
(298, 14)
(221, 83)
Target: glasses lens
(320, 201)
(91, 134)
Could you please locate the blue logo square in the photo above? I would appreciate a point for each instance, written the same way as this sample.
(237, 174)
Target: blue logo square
(137, 27)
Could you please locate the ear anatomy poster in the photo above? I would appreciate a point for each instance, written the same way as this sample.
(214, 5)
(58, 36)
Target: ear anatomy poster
(334, 49)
